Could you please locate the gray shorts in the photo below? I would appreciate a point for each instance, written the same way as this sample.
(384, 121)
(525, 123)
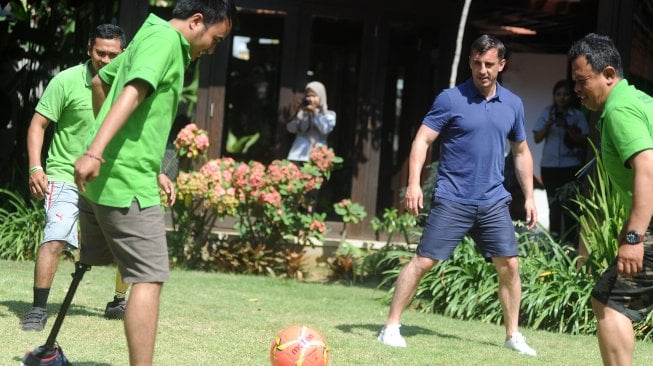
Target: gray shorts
(132, 237)
(61, 213)
(631, 296)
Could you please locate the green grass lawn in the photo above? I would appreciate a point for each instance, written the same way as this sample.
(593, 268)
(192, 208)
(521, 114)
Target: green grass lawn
(221, 319)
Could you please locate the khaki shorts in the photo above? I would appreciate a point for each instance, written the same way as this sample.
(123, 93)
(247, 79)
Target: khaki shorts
(132, 237)
(631, 296)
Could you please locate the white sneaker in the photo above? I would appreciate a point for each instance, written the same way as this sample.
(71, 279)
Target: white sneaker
(518, 343)
(391, 336)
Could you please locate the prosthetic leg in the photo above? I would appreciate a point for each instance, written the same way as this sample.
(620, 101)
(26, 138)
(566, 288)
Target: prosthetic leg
(50, 354)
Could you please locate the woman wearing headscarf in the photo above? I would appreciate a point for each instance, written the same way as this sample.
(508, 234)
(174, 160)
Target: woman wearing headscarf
(312, 123)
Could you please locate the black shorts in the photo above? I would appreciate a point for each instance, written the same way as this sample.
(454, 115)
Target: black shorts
(631, 296)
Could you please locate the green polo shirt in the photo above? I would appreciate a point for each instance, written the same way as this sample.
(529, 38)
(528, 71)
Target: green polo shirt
(158, 55)
(626, 128)
(67, 102)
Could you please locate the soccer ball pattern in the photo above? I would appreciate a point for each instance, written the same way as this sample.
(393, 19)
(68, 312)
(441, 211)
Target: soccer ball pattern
(299, 346)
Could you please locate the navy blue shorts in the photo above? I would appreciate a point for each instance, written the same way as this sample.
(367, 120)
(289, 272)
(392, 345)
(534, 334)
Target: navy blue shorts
(489, 225)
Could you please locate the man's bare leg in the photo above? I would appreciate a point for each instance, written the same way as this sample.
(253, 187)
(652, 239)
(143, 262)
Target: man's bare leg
(615, 334)
(141, 319)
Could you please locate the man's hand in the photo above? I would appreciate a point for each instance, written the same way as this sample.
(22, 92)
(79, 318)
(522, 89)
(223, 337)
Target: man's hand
(630, 259)
(87, 168)
(38, 184)
(168, 187)
(414, 199)
(531, 213)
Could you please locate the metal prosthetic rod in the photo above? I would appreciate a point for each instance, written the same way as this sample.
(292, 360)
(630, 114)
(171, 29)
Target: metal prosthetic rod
(50, 352)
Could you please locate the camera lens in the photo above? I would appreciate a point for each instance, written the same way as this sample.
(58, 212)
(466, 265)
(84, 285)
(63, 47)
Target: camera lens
(305, 101)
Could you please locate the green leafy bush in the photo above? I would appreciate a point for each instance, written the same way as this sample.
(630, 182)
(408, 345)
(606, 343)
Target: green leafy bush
(271, 204)
(21, 226)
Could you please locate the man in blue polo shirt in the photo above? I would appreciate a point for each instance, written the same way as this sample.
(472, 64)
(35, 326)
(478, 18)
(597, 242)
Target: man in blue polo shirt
(473, 121)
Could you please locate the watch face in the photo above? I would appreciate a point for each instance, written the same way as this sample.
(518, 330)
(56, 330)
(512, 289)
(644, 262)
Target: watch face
(633, 237)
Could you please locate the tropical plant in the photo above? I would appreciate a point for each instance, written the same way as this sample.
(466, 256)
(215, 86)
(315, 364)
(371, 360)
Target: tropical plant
(392, 223)
(346, 260)
(602, 215)
(21, 227)
(240, 145)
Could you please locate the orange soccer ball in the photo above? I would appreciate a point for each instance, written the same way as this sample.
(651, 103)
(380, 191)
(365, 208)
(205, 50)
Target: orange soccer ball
(299, 346)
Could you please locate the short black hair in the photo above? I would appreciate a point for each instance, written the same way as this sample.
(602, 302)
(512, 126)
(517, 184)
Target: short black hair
(599, 51)
(108, 31)
(214, 11)
(487, 42)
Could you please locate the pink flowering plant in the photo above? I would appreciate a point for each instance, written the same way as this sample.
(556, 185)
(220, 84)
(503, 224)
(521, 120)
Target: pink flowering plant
(270, 203)
(191, 141)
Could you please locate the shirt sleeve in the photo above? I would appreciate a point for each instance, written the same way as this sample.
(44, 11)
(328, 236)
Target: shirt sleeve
(53, 100)
(325, 122)
(518, 131)
(439, 114)
(541, 120)
(626, 126)
(152, 60)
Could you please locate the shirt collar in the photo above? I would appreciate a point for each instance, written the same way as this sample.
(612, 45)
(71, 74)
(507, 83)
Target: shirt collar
(618, 89)
(471, 89)
(87, 74)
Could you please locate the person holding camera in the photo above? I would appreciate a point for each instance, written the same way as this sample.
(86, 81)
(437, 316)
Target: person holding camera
(312, 123)
(564, 131)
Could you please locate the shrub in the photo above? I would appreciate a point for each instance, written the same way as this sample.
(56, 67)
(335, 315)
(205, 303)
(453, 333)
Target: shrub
(270, 204)
(21, 227)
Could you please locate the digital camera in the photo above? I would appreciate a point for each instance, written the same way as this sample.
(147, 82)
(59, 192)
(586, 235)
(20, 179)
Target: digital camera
(305, 101)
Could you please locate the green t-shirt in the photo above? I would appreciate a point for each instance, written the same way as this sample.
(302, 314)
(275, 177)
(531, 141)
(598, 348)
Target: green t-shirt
(158, 55)
(626, 128)
(67, 102)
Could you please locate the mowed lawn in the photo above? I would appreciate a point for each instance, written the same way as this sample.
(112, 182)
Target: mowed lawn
(222, 319)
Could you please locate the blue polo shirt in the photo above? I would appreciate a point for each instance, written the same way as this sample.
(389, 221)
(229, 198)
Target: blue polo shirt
(473, 132)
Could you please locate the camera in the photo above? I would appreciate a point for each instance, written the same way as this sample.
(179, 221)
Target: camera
(305, 101)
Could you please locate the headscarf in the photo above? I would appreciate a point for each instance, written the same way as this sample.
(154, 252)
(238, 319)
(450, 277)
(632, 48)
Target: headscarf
(319, 89)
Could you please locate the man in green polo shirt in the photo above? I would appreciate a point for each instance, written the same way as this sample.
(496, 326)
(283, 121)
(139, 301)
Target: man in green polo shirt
(624, 293)
(120, 214)
(66, 102)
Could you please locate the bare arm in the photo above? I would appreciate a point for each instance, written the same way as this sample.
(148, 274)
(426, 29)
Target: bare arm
(631, 257)
(38, 181)
(87, 167)
(524, 172)
(99, 92)
(423, 140)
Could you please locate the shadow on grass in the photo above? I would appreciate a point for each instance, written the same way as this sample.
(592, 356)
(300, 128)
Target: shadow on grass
(406, 330)
(75, 362)
(409, 331)
(21, 307)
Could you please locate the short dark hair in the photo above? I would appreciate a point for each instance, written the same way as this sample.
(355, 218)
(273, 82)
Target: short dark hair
(108, 31)
(214, 11)
(599, 51)
(487, 42)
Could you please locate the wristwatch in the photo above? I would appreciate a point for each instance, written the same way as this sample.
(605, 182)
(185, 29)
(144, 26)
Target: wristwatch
(633, 237)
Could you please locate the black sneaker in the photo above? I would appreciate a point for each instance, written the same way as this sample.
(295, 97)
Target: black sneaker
(34, 320)
(115, 309)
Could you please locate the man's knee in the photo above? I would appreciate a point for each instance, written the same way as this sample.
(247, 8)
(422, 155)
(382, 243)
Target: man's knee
(423, 264)
(54, 247)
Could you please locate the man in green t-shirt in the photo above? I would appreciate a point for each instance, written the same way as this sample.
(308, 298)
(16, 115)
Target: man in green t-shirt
(624, 293)
(66, 102)
(120, 214)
